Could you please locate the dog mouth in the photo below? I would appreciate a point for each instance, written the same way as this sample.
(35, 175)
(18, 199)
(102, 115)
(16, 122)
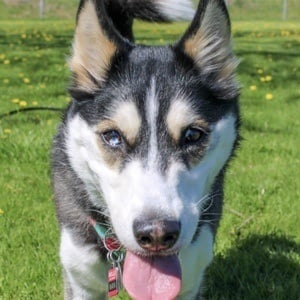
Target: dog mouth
(154, 277)
(154, 273)
(150, 273)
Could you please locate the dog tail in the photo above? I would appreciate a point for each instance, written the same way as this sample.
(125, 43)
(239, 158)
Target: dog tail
(160, 10)
(122, 13)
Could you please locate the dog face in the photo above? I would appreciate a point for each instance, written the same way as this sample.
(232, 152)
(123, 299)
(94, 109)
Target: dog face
(151, 128)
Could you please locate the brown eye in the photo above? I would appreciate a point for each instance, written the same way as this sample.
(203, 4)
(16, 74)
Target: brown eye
(112, 138)
(192, 135)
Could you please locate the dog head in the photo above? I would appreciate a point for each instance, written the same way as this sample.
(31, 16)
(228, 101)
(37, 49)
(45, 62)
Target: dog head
(151, 129)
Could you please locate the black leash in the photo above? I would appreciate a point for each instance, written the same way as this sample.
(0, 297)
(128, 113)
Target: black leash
(26, 109)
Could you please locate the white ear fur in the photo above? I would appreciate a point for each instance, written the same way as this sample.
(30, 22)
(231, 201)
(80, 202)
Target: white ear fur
(210, 48)
(92, 50)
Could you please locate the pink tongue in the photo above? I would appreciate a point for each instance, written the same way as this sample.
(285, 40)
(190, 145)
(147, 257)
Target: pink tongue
(152, 278)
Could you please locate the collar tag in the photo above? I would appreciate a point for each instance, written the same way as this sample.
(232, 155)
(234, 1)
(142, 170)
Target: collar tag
(115, 257)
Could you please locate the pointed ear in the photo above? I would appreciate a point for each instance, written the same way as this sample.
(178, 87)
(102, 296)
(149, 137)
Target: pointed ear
(208, 43)
(95, 44)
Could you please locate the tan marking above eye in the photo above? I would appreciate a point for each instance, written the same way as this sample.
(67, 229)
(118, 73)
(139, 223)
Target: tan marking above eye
(180, 116)
(126, 119)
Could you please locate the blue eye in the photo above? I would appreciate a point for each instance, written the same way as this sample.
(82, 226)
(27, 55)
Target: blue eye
(112, 138)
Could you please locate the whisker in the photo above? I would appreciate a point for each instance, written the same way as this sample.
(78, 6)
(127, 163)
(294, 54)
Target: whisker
(207, 197)
(100, 212)
(203, 199)
(211, 214)
(209, 221)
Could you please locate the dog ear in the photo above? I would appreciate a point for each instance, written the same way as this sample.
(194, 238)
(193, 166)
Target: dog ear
(95, 44)
(208, 43)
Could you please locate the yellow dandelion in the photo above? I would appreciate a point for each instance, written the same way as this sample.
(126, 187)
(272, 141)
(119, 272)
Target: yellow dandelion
(260, 71)
(1, 211)
(7, 131)
(23, 103)
(15, 100)
(5, 80)
(253, 88)
(48, 38)
(262, 79)
(285, 33)
(268, 78)
(269, 96)
(23, 35)
(26, 80)
(7, 62)
(2, 56)
(34, 103)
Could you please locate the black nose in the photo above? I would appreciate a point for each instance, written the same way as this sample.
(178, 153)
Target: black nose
(156, 235)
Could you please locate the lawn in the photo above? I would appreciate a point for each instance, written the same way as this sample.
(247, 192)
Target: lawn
(258, 245)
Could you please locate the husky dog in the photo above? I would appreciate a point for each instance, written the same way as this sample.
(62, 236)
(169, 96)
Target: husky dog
(143, 148)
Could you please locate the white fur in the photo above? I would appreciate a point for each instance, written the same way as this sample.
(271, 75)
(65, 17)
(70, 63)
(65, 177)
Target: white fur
(177, 9)
(83, 152)
(152, 106)
(194, 261)
(198, 181)
(82, 267)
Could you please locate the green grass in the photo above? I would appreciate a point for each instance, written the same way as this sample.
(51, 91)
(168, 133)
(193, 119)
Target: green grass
(257, 248)
(30, 9)
(263, 10)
